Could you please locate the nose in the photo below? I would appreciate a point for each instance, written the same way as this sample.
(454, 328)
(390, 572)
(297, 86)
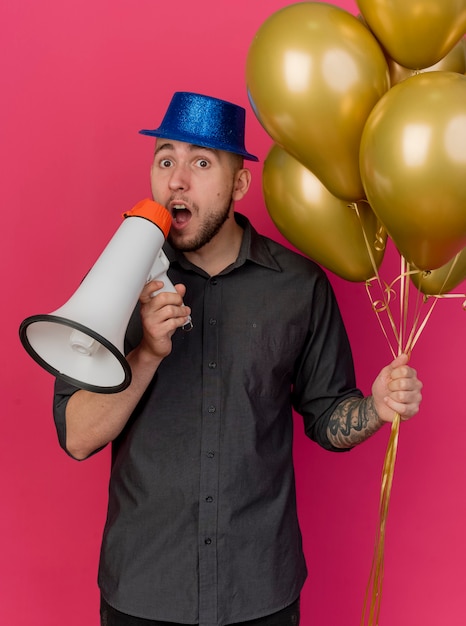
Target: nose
(179, 178)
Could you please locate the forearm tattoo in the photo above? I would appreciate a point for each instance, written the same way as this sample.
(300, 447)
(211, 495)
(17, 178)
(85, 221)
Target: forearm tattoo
(353, 421)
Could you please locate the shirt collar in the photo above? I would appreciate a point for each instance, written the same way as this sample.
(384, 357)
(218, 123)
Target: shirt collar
(254, 248)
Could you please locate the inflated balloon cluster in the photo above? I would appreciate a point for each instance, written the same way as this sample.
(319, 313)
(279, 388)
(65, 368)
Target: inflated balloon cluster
(368, 118)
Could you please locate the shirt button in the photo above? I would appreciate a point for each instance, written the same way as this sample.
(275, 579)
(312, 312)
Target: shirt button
(214, 281)
(212, 365)
(208, 541)
(212, 321)
(211, 409)
(209, 499)
(210, 454)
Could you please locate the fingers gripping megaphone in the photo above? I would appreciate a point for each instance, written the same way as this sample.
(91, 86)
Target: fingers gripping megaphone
(82, 342)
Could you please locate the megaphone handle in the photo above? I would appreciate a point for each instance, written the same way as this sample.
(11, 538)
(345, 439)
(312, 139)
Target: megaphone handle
(158, 271)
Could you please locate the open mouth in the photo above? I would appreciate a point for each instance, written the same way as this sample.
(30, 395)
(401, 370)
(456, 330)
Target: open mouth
(180, 214)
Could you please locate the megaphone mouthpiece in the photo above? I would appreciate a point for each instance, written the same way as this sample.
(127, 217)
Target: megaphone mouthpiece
(154, 212)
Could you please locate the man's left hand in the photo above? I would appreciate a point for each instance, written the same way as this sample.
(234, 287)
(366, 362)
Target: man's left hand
(397, 389)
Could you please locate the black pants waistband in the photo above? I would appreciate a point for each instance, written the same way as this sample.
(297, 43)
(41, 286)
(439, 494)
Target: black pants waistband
(111, 617)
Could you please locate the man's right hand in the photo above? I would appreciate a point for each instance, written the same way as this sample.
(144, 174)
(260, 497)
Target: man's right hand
(161, 314)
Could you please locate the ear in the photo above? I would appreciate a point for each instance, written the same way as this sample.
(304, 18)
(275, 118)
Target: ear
(241, 184)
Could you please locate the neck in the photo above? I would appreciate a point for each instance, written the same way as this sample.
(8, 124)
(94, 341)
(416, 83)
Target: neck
(221, 251)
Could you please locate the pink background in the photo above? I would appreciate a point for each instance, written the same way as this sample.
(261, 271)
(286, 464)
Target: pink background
(78, 80)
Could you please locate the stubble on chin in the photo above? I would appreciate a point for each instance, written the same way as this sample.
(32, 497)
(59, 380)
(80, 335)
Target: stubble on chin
(209, 228)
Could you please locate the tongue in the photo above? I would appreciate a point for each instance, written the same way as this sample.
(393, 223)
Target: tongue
(182, 216)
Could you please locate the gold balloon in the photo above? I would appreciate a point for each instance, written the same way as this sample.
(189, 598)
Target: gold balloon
(314, 73)
(454, 61)
(415, 33)
(325, 228)
(444, 279)
(413, 166)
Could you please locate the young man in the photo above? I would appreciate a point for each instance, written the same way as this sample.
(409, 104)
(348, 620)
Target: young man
(202, 525)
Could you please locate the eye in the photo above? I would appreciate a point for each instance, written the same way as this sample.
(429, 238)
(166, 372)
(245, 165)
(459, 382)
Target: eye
(203, 163)
(164, 163)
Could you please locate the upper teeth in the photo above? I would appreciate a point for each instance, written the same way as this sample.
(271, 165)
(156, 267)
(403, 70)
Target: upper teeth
(179, 206)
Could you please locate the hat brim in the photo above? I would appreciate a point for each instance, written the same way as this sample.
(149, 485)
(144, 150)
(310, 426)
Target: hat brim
(196, 141)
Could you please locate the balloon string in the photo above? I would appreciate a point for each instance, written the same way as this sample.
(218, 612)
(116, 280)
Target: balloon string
(374, 586)
(416, 331)
(382, 305)
(375, 582)
(404, 294)
(371, 611)
(418, 326)
(405, 340)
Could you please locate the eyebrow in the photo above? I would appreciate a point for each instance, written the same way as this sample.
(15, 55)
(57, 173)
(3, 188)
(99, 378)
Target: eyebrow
(192, 148)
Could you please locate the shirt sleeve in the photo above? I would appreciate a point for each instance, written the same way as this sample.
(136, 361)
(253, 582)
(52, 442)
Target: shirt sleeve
(324, 374)
(64, 390)
(62, 393)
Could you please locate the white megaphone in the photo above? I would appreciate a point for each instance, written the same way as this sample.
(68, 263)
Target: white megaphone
(83, 341)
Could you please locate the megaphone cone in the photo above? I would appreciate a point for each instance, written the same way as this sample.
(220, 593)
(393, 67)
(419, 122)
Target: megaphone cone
(82, 342)
(76, 353)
